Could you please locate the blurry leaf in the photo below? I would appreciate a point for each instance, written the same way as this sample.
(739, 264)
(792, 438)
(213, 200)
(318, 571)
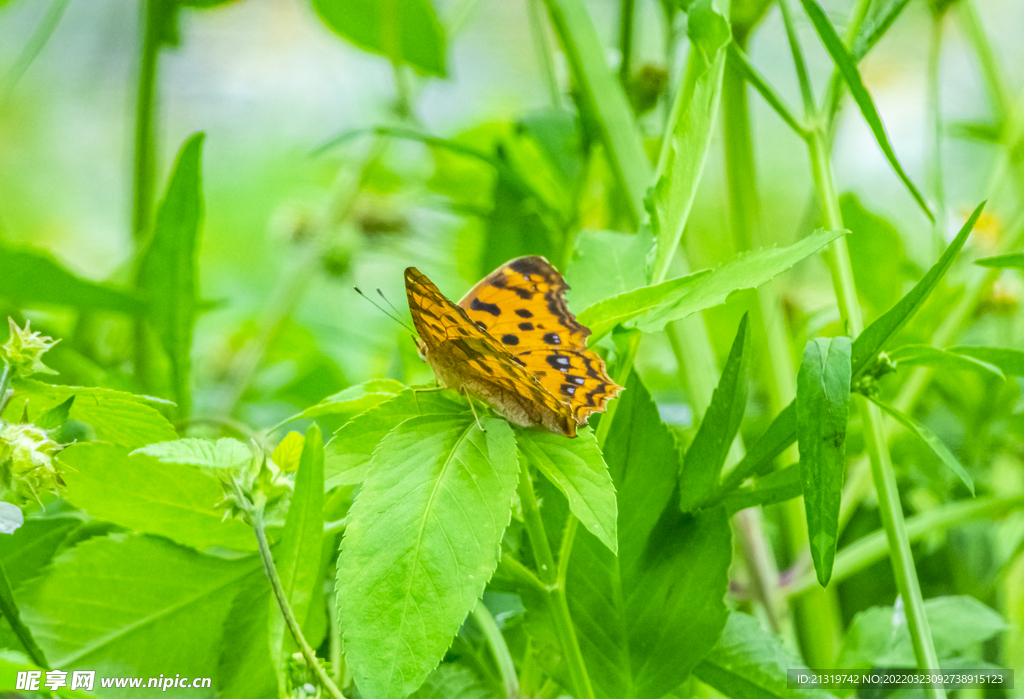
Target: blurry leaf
(514, 228)
(1009, 361)
(56, 416)
(557, 134)
(12, 663)
(603, 100)
(452, 682)
(167, 272)
(9, 611)
(421, 542)
(847, 66)
(878, 637)
(289, 451)
(140, 494)
(606, 263)
(221, 454)
(248, 669)
(777, 486)
(576, 467)
(705, 458)
(822, 406)
(751, 662)
(925, 355)
(691, 124)
(875, 27)
(203, 4)
(1013, 260)
(348, 452)
(121, 418)
(30, 276)
(137, 602)
(932, 440)
(985, 132)
(876, 253)
(405, 31)
(653, 307)
(24, 553)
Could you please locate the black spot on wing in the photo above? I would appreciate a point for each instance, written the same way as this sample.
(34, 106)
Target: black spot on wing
(478, 305)
(523, 313)
(510, 339)
(552, 339)
(526, 327)
(480, 324)
(499, 281)
(600, 389)
(568, 389)
(558, 361)
(518, 361)
(530, 265)
(522, 293)
(578, 380)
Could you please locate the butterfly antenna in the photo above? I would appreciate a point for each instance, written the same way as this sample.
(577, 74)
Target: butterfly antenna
(385, 311)
(381, 294)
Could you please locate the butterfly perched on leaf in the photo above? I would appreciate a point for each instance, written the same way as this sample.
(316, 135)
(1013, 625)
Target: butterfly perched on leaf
(512, 343)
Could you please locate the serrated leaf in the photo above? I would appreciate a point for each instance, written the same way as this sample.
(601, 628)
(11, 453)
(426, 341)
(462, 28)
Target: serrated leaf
(167, 272)
(650, 308)
(30, 276)
(932, 440)
(348, 452)
(925, 355)
(117, 417)
(141, 494)
(847, 66)
(353, 400)
(577, 468)
(140, 605)
(702, 465)
(56, 416)
(420, 544)
(406, 31)
(288, 452)
(750, 662)
(822, 407)
(220, 454)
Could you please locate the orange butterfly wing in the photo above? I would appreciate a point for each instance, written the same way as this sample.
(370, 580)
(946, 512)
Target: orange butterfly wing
(466, 358)
(522, 304)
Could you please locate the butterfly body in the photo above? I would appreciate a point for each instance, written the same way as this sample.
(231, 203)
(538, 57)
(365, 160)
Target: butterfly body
(512, 343)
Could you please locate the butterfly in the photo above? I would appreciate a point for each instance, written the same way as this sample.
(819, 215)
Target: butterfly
(512, 343)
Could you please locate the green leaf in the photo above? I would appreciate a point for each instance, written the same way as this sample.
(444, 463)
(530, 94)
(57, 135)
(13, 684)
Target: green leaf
(120, 418)
(421, 542)
(750, 662)
(216, 455)
(406, 31)
(878, 637)
(12, 663)
(688, 140)
(140, 605)
(353, 401)
(452, 682)
(30, 276)
(875, 27)
(702, 466)
(652, 307)
(606, 263)
(822, 406)
(847, 66)
(9, 611)
(140, 494)
(167, 272)
(56, 416)
(925, 355)
(932, 440)
(24, 553)
(777, 486)
(1009, 361)
(1013, 260)
(577, 468)
(876, 254)
(250, 669)
(348, 452)
(646, 617)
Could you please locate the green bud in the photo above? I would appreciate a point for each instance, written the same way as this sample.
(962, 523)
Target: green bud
(27, 467)
(25, 349)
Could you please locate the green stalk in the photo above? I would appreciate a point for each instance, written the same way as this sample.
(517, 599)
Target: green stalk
(889, 505)
(502, 658)
(544, 52)
(626, 41)
(548, 572)
(35, 44)
(934, 109)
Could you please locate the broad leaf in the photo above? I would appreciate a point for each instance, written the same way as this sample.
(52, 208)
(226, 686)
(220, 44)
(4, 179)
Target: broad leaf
(31, 276)
(750, 662)
(1013, 260)
(289, 451)
(140, 494)
(420, 544)
(652, 307)
(933, 442)
(55, 416)
(926, 355)
(348, 452)
(24, 553)
(138, 602)
(847, 66)
(120, 418)
(220, 454)
(13, 663)
(705, 458)
(576, 467)
(822, 406)
(167, 273)
(406, 31)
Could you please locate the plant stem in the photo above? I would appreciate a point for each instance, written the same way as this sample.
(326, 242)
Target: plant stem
(145, 167)
(9, 610)
(934, 109)
(546, 59)
(5, 388)
(35, 44)
(559, 604)
(628, 9)
(503, 659)
(256, 515)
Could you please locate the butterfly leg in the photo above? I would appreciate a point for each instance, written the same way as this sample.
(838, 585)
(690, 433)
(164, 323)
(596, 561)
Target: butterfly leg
(473, 408)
